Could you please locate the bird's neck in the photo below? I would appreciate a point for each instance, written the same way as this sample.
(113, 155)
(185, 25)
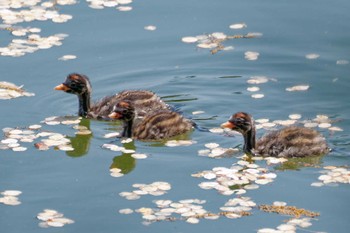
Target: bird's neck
(249, 141)
(84, 104)
(127, 128)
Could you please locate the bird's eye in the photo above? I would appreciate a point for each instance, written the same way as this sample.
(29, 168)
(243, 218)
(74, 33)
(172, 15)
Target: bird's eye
(73, 84)
(239, 120)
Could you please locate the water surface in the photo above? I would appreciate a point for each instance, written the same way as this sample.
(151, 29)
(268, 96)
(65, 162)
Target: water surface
(117, 53)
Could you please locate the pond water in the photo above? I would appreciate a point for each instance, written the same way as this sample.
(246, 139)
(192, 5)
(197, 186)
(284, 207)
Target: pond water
(295, 43)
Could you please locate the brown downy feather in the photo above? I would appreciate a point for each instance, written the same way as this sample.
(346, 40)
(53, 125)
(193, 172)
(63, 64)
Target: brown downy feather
(292, 142)
(156, 125)
(144, 101)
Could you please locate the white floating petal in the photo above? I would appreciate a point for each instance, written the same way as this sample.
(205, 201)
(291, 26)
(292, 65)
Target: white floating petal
(251, 56)
(312, 56)
(124, 8)
(216, 130)
(139, 156)
(126, 211)
(124, 1)
(257, 80)
(325, 177)
(342, 62)
(128, 140)
(150, 28)
(219, 35)
(207, 45)
(268, 124)
(209, 176)
(238, 26)
(13, 193)
(9, 141)
(267, 230)
(294, 116)
(192, 220)
(286, 227)
(189, 39)
(262, 181)
(197, 112)
(127, 151)
(211, 145)
(279, 203)
(251, 186)
(19, 148)
(54, 224)
(116, 174)
(253, 89)
(335, 128)
(67, 57)
(34, 127)
(203, 152)
(324, 125)
(298, 88)
(258, 96)
(317, 184)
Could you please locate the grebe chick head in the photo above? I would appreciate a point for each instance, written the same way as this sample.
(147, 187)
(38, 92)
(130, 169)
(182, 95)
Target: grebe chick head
(241, 122)
(123, 110)
(77, 84)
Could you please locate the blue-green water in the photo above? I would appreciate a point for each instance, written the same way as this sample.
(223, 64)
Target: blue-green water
(117, 53)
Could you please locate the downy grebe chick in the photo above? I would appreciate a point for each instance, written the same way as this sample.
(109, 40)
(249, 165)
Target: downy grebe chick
(287, 142)
(80, 85)
(156, 125)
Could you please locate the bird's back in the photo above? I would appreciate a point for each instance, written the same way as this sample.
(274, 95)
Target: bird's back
(161, 124)
(143, 102)
(292, 142)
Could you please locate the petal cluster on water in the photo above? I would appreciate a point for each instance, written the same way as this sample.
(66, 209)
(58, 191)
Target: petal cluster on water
(192, 210)
(237, 179)
(215, 151)
(28, 39)
(9, 91)
(15, 138)
(155, 189)
(121, 5)
(214, 41)
(289, 226)
(333, 175)
(52, 218)
(10, 197)
(255, 80)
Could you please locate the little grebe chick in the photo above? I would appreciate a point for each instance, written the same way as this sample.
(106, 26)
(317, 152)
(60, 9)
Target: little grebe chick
(157, 125)
(80, 85)
(287, 142)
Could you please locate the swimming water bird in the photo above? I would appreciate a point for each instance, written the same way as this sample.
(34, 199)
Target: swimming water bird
(79, 84)
(287, 142)
(156, 125)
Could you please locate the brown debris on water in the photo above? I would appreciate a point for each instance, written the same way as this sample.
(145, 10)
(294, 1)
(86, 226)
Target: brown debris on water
(288, 210)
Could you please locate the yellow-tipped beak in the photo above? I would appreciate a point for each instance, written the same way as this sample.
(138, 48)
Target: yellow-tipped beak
(227, 125)
(115, 115)
(62, 87)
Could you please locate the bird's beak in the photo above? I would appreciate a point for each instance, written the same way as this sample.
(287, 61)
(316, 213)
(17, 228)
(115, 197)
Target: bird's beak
(115, 115)
(228, 124)
(62, 87)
